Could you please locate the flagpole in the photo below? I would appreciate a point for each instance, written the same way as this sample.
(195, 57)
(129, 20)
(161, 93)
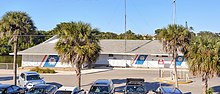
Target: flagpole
(174, 12)
(125, 27)
(174, 22)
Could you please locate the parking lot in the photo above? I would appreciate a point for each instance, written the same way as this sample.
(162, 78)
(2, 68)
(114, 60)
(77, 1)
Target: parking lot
(118, 76)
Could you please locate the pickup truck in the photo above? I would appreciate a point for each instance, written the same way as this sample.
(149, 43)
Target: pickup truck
(135, 86)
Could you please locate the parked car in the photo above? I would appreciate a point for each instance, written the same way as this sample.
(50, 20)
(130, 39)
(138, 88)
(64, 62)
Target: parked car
(168, 90)
(135, 86)
(11, 89)
(69, 90)
(102, 86)
(42, 89)
(29, 79)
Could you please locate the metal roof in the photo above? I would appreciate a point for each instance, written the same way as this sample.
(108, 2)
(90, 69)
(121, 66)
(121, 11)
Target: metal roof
(132, 47)
(108, 46)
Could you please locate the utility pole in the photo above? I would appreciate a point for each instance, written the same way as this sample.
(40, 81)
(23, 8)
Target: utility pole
(15, 58)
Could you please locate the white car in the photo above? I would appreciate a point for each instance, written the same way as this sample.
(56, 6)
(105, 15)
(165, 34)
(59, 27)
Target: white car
(29, 79)
(69, 90)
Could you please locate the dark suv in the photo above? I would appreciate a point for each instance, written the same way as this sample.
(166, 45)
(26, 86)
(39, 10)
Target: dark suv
(135, 86)
(42, 89)
(11, 89)
(102, 86)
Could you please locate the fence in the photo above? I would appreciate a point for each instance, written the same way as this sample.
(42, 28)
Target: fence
(8, 66)
(182, 74)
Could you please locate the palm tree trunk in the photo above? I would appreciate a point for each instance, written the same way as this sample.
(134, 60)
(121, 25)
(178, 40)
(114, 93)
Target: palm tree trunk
(78, 74)
(204, 83)
(79, 77)
(89, 65)
(175, 69)
(175, 73)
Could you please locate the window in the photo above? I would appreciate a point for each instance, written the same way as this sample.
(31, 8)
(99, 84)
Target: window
(164, 56)
(15, 88)
(22, 75)
(9, 90)
(36, 90)
(110, 55)
(135, 89)
(33, 77)
(96, 89)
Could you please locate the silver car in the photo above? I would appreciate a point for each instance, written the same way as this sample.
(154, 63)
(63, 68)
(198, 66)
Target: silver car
(29, 79)
(69, 90)
(168, 90)
(102, 86)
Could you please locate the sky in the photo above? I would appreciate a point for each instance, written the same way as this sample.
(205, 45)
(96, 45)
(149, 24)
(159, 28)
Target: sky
(143, 16)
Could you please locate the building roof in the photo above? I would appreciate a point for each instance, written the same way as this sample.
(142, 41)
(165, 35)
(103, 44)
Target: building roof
(108, 46)
(45, 48)
(132, 47)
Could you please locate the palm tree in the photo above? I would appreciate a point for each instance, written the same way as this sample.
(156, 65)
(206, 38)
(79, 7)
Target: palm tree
(18, 23)
(77, 45)
(203, 57)
(14, 24)
(175, 39)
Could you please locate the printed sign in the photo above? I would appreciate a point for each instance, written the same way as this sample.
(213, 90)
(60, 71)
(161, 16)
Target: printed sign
(179, 60)
(140, 59)
(51, 61)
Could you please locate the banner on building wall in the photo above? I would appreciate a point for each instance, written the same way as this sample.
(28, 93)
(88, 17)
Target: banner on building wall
(179, 60)
(50, 60)
(139, 59)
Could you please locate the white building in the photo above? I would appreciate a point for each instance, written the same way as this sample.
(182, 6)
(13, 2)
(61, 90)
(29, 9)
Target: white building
(139, 53)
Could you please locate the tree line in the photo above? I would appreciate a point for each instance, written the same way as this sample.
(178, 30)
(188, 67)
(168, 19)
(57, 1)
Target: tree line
(78, 43)
(40, 36)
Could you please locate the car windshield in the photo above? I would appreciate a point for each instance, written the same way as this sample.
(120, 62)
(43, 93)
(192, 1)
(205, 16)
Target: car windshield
(63, 92)
(136, 89)
(33, 77)
(172, 90)
(36, 90)
(99, 89)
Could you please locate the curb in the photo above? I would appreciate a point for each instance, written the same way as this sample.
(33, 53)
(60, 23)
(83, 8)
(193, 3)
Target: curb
(162, 80)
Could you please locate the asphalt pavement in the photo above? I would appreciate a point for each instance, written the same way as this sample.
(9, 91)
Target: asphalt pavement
(118, 76)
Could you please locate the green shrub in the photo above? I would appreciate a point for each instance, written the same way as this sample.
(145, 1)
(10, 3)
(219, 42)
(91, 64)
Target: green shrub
(43, 70)
(210, 91)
